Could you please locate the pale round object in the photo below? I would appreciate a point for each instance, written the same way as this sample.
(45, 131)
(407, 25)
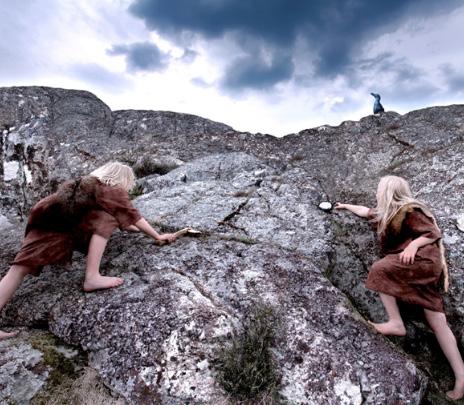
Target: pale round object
(460, 222)
(325, 206)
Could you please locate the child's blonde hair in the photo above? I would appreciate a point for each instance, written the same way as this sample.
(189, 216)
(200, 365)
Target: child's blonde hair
(392, 193)
(115, 174)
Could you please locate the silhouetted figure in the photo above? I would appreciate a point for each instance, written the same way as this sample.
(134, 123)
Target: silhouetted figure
(378, 108)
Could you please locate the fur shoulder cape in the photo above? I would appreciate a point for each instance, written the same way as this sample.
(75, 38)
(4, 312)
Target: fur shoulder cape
(77, 195)
(71, 201)
(394, 226)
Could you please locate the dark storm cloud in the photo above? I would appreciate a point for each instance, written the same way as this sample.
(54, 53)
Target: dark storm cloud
(334, 29)
(408, 94)
(454, 78)
(141, 56)
(396, 79)
(399, 69)
(256, 72)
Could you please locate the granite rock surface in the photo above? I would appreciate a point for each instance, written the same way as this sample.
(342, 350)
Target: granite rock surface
(264, 242)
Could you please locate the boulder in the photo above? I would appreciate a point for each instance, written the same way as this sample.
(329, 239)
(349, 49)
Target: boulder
(264, 241)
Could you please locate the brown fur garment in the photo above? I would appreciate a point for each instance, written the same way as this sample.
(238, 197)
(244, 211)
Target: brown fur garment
(395, 225)
(73, 199)
(66, 220)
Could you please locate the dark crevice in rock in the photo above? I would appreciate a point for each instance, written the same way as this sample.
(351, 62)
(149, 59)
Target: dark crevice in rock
(234, 226)
(234, 213)
(424, 154)
(42, 324)
(400, 141)
(399, 154)
(204, 292)
(327, 195)
(432, 151)
(85, 153)
(452, 178)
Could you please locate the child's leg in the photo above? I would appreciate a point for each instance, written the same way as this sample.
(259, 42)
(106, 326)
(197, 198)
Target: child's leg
(394, 325)
(447, 342)
(8, 285)
(93, 279)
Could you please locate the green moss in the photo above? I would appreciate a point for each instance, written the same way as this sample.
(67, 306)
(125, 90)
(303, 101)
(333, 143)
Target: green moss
(395, 164)
(52, 358)
(244, 239)
(238, 238)
(246, 367)
(437, 398)
(62, 370)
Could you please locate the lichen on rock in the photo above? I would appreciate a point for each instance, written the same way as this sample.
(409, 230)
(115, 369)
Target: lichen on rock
(255, 198)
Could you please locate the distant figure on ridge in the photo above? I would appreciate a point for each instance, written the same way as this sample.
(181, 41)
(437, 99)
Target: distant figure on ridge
(378, 108)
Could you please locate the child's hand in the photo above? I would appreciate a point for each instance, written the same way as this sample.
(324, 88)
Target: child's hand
(167, 237)
(408, 254)
(340, 206)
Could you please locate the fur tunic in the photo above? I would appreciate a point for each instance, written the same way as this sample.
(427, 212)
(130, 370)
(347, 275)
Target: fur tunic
(66, 220)
(417, 283)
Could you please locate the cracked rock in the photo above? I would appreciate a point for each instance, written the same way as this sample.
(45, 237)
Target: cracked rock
(264, 240)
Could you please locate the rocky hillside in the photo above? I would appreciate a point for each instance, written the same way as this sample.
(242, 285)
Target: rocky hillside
(265, 246)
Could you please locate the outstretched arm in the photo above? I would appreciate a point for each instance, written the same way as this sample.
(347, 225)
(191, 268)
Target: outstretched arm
(359, 210)
(132, 228)
(146, 228)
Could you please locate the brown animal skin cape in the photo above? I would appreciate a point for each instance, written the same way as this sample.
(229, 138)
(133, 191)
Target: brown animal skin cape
(66, 220)
(417, 283)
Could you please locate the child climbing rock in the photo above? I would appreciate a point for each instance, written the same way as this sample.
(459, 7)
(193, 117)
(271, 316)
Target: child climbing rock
(81, 216)
(412, 268)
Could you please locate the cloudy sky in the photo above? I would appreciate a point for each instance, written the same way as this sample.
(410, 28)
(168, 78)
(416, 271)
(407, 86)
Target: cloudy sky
(271, 66)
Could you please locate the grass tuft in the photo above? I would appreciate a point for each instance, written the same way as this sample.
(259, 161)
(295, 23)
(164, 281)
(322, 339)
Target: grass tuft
(247, 369)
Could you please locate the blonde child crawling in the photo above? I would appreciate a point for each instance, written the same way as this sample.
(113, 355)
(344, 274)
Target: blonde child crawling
(81, 216)
(413, 266)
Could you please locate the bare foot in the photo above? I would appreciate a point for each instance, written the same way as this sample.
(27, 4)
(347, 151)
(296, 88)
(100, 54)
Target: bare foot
(458, 390)
(102, 283)
(6, 335)
(390, 328)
